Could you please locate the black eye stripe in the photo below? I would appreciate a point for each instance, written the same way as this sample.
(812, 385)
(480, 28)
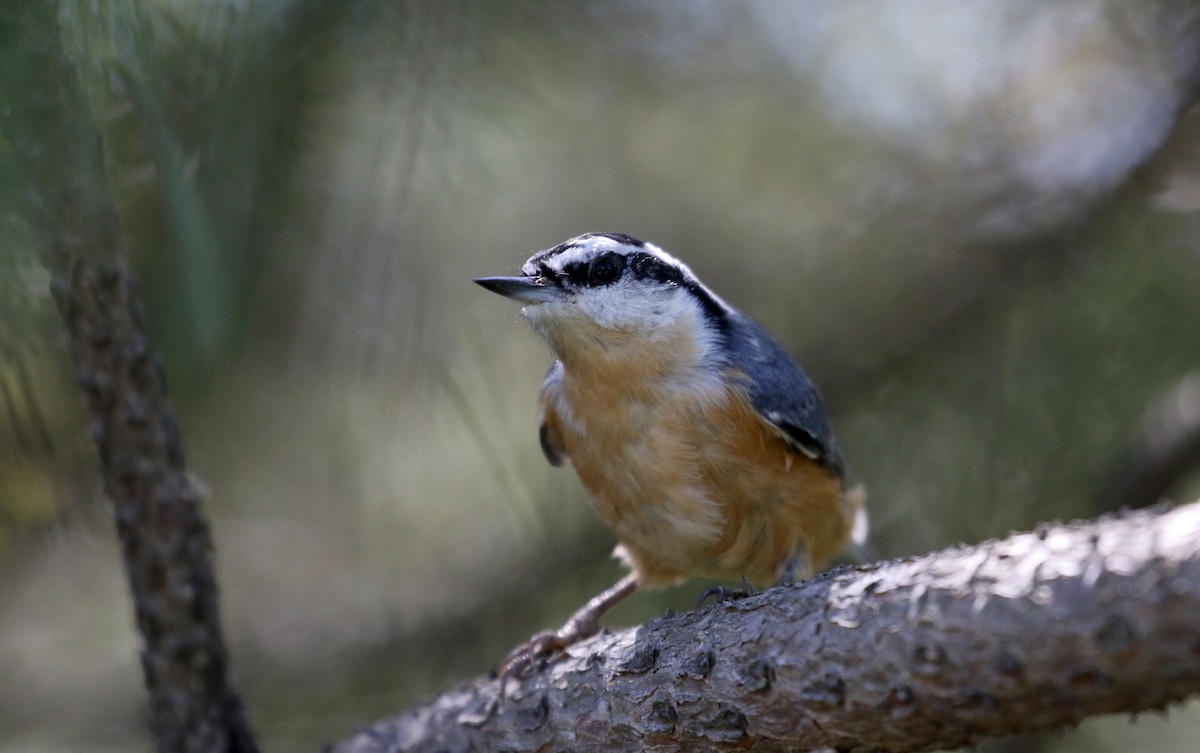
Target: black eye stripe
(575, 273)
(597, 273)
(650, 267)
(642, 265)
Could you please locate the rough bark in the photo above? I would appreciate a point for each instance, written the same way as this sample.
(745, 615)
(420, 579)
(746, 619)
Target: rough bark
(1036, 631)
(164, 536)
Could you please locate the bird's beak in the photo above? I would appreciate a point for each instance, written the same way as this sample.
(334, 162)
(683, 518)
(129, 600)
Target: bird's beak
(523, 289)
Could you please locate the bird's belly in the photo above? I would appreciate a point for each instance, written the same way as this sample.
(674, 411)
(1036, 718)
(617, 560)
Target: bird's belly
(703, 489)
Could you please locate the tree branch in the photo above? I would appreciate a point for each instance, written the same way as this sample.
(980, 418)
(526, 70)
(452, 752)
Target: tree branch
(1036, 631)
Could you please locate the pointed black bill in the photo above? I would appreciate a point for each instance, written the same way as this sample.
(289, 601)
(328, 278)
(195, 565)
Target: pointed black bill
(523, 289)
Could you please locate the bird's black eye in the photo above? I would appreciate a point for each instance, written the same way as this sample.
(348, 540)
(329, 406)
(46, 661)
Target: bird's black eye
(606, 269)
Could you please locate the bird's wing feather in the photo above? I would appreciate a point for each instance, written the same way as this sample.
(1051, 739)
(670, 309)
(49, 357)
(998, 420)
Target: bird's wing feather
(781, 392)
(552, 446)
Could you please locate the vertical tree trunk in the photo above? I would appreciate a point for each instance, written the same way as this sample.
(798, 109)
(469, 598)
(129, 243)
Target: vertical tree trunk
(156, 504)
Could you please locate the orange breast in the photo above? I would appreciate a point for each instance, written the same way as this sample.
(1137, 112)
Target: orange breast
(690, 478)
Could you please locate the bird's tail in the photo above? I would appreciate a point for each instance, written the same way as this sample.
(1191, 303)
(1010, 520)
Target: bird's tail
(855, 506)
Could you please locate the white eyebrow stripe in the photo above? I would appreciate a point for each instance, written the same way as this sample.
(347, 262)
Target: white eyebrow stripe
(584, 249)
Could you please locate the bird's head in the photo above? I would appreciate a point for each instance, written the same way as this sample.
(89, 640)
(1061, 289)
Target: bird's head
(608, 289)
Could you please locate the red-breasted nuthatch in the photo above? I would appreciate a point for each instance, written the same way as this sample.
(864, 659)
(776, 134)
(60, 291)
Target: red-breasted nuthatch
(699, 441)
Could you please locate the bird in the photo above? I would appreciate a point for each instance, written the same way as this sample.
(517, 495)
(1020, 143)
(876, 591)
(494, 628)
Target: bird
(698, 440)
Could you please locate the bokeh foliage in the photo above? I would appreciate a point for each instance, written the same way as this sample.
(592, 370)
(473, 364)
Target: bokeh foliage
(976, 225)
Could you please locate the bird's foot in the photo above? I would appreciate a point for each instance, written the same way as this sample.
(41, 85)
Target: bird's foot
(721, 593)
(534, 654)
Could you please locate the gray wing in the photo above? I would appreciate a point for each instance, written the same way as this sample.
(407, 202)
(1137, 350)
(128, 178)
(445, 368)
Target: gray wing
(552, 446)
(781, 392)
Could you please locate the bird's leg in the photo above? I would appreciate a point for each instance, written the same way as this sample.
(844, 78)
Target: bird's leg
(583, 624)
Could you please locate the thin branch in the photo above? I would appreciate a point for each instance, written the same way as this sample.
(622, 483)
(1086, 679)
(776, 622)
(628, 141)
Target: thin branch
(164, 535)
(1033, 632)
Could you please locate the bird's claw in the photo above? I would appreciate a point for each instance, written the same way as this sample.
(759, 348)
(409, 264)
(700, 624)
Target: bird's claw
(583, 624)
(531, 656)
(721, 593)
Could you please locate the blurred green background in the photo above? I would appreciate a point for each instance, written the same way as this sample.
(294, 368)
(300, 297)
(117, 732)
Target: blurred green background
(976, 224)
